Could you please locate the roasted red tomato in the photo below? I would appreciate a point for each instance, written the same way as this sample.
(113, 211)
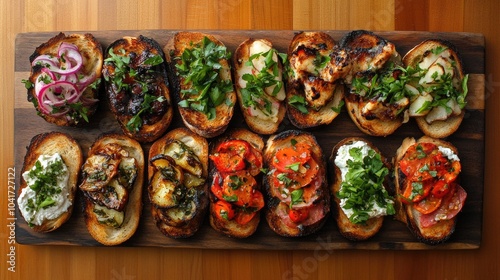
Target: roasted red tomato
(224, 210)
(298, 215)
(286, 159)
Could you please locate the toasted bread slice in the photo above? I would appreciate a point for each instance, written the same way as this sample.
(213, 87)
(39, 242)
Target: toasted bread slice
(137, 87)
(116, 146)
(230, 226)
(406, 213)
(350, 230)
(440, 128)
(370, 53)
(198, 117)
(85, 81)
(317, 204)
(314, 92)
(50, 144)
(180, 216)
(263, 108)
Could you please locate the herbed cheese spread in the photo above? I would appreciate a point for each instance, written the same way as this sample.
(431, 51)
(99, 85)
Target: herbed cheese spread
(46, 196)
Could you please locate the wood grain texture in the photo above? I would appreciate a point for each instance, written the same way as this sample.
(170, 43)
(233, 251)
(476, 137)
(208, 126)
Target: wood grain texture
(142, 263)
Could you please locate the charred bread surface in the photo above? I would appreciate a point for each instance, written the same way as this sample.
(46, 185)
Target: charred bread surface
(112, 179)
(260, 96)
(197, 108)
(372, 58)
(178, 188)
(441, 64)
(65, 78)
(236, 194)
(298, 199)
(369, 226)
(438, 225)
(137, 87)
(314, 92)
(49, 144)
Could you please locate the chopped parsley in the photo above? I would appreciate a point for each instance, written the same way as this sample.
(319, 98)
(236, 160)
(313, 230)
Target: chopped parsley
(200, 67)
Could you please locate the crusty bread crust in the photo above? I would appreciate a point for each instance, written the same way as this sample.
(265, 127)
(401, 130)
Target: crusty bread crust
(71, 153)
(240, 57)
(199, 146)
(91, 51)
(232, 228)
(108, 235)
(275, 222)
(348, 229)
(138, 45)
(437, 129)
(405, 213)
(325, 115)
(194, 120)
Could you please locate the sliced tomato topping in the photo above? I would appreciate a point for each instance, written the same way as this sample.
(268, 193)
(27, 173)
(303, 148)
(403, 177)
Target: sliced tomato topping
(287, 158)
(243, 217)
(239, 147)
(428, 204)
(254, 161)
(416, 191)
(298, 215)
(238, 188)
(216, 188)
(224, 210)
(441, 188)
(226, 162)
(305, 173)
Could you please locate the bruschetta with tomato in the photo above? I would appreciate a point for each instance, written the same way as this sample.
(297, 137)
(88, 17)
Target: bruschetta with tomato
(439, 87)
(427, 176)
(177, 188)
(359, 186)
(112, 178)
(298, 199)
(137, 87)
(201, 82)
(235, 194)
(376, 98)
(314, 93)
(259, 83)
(65, 79)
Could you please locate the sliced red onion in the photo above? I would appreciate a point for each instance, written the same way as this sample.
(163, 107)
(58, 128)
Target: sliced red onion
(72, 61)
(66, 93)
(46, 60)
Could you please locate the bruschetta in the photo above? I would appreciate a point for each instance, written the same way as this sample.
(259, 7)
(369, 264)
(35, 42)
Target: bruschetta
(439, 87)
(65, 78)
(112, 178)
(428, 188)
(235, 194)
(376, 98)
(202, 82)
(259, 83)
(137, 87)
(178, 188)
(49, 180)
(314, 92)
(359, 188)
(298, 199)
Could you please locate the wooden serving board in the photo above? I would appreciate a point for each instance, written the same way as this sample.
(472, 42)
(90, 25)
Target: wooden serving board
(469, 140)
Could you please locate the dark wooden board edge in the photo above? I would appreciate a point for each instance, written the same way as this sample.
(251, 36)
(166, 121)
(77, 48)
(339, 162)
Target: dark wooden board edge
(394, 235)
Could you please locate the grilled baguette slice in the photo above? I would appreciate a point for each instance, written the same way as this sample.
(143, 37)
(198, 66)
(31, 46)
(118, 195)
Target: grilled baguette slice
(350, 230)
(198, 121)
(276, 213)
(171, 219)
(438, 128)
(92, 59)
(71, 153)
(263, 114)
(406, 213)
(105, 234)
(231, 227)
(370, 53)
(141, 102)
(328, 88)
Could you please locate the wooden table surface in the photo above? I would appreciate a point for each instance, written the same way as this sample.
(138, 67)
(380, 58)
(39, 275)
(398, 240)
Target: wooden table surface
(65, 262)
